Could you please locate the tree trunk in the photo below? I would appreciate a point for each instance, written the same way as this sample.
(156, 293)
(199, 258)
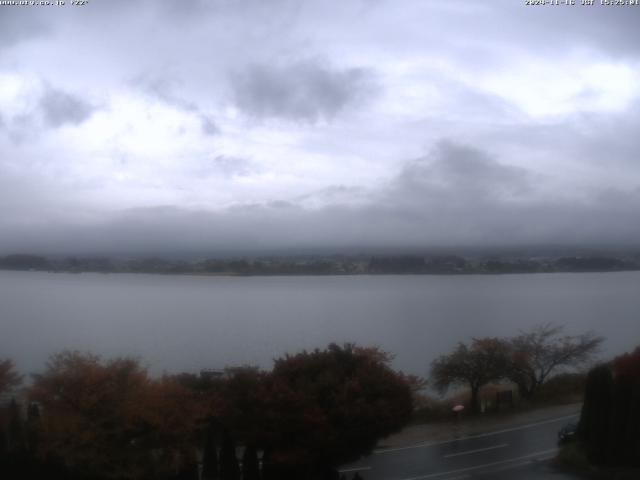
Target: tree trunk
(475, 401)
(523, 391)
(533, 389)
(527, 387)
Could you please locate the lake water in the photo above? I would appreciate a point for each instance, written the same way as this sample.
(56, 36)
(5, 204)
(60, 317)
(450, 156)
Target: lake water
(185, 323)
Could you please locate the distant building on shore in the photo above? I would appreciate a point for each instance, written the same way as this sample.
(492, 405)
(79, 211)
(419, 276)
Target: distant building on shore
(212, 373)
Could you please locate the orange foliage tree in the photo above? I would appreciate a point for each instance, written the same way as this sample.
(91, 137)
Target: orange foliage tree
(110, 419)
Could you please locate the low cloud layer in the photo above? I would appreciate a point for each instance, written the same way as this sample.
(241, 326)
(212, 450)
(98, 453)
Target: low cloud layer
(455, 195)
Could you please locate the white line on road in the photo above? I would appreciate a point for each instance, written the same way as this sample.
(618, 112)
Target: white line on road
(354, 469)
(485, 465)
(433, 444)
(520, 464)
(477, 450)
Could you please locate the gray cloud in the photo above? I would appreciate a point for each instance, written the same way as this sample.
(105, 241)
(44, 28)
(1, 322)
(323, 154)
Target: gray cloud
(208, 125)
(335, 194)
(187, 9)
(305, 90)
(458, 173)
(17, 25)
(599, 27)
(232, 166)
(164, 88)
(61, 108)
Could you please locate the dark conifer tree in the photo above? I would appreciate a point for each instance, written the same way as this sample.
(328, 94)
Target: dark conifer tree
(618, 445)
(595, 419)
(210, 456)
(16, 437)
(624, 438)
(250, 467)
(33, 421)
(189, 470)
(229, 469)
(3, 443)
(633, 426)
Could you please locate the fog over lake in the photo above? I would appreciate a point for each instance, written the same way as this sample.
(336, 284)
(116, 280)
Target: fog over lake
(185, 323)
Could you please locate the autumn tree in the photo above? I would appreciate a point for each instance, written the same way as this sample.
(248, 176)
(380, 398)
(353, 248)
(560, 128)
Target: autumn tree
(543, 350)
(89, 412)
(9, 378)
(314, 411)
(238, 403)
(327, 407)
(484, 361)
(105, 418)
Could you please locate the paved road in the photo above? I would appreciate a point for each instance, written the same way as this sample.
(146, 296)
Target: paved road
(521, 452)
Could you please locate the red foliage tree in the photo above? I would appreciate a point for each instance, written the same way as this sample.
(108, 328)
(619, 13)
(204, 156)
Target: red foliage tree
(331, 406)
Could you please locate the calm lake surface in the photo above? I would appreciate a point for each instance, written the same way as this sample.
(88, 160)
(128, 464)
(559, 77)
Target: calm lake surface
(185, 323)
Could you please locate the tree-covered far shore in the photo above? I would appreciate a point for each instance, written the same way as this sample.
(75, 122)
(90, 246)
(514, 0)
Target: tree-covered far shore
(338, 264)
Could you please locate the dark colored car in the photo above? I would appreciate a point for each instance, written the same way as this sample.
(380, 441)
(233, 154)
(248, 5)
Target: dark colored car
(567, 433)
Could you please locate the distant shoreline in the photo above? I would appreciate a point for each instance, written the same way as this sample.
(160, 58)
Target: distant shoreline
(335, 265)
(363, 274)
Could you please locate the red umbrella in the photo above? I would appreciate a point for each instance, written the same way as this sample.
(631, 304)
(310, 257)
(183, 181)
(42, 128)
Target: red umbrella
(458, 408)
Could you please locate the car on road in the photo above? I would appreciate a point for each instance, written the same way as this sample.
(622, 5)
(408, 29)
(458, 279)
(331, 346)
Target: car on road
(567, 433)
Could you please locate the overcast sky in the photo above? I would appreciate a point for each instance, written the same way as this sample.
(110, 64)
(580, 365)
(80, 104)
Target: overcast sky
(211, 124)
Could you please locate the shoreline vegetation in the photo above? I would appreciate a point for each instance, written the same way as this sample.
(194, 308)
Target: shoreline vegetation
(320, 265)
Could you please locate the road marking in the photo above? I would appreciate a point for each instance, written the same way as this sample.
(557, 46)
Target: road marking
(485, 465)
(354, 469)
(504, 468)
(470, 437)
(469, 452)
(520, 464)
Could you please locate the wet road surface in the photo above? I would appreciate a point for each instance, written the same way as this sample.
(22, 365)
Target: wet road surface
(522, 452)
